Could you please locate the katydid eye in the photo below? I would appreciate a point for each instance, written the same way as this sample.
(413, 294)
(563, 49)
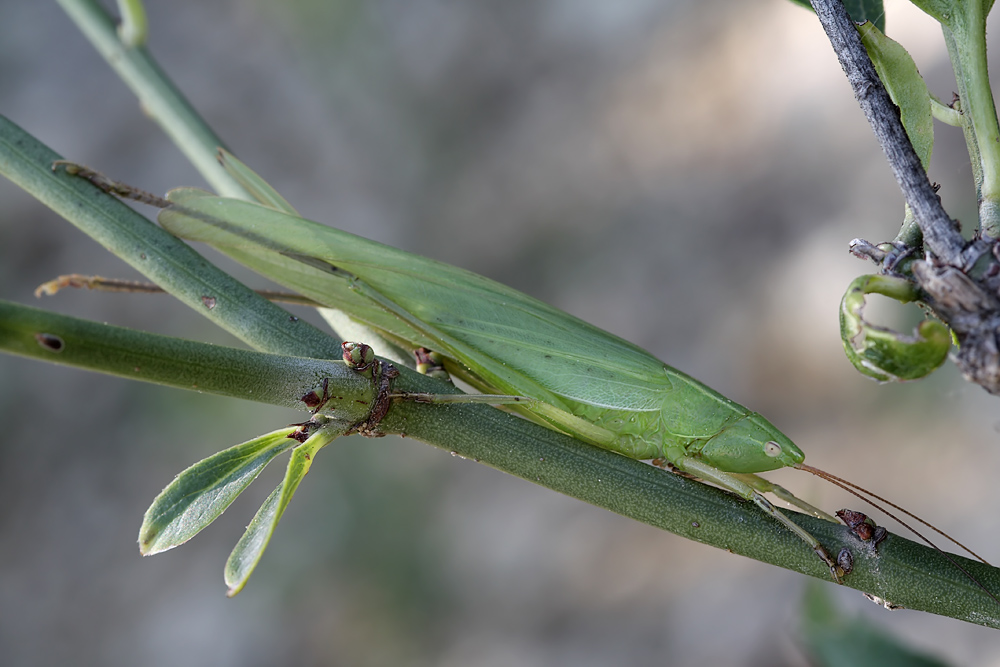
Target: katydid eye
(772, 449)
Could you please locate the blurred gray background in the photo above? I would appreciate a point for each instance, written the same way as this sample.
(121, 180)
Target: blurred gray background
(684, 174)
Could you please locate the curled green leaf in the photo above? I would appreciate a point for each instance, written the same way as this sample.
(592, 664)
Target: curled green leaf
(198, 495)
(882, 354)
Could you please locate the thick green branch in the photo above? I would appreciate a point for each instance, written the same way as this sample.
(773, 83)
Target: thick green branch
(175, 362)
(902, 572)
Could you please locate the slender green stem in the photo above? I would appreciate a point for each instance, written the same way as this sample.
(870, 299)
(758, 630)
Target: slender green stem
(163, 258)
(945, 113)
(968, 28)
(972, 145)
(175, 362)
(902, 572)
(909, 232)
(159, 98)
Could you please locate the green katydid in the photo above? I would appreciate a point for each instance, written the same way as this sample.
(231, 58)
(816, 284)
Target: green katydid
(540, 362)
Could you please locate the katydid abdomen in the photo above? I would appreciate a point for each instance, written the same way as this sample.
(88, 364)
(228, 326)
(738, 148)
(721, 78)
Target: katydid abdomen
(581, 379)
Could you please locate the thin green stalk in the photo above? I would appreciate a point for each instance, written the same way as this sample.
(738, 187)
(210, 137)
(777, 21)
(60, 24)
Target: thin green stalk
(909, 232)
(159, 98)
(175, 362)
(967, 47)
(975, 159)
(162, 258)
(901, 572)
(944, 113)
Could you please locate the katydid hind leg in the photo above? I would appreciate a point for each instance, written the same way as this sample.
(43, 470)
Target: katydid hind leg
(744, 490)
(762, 485)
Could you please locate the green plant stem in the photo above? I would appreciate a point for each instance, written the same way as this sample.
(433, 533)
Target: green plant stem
(945, 113)
(969, 28)
(159, 98)
(903, 572)
(909, 232)
(975, 159)
(175, 362)
(162, 258)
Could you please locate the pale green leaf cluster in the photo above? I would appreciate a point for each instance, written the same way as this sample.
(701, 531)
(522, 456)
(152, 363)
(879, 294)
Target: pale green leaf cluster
(249, 549)
(200, 494)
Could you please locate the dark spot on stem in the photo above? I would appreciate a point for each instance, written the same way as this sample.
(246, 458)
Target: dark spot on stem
(845, 560)
(50, 342)
(880, 534)
(312, 399)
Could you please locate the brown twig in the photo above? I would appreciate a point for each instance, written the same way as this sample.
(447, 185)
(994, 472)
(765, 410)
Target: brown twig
(940, 233)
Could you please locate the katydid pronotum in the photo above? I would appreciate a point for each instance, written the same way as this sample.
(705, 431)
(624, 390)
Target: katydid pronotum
(535, 360)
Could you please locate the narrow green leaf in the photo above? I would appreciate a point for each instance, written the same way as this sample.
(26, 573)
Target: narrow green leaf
(832, 639)
(906, 87)
(251, 181)
(248, 551)
(880, 353)
(860, 10)
(198, 495)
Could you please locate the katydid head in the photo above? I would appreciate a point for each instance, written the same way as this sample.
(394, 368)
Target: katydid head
(751, 444)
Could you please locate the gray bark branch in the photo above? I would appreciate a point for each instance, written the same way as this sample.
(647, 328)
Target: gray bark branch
(941, 235)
